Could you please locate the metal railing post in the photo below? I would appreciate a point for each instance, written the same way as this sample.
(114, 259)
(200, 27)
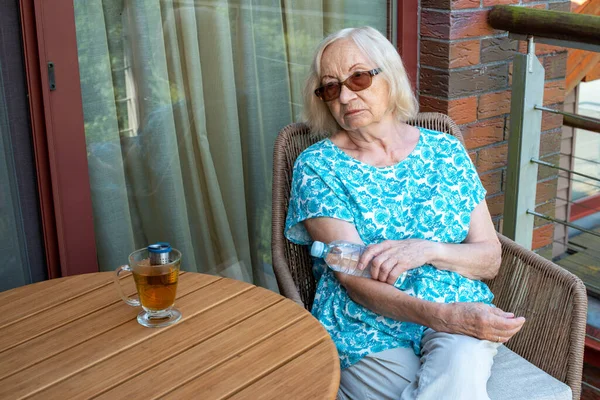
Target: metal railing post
(523, 145)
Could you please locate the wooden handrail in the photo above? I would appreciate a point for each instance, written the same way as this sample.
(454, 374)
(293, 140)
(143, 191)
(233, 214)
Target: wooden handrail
(575, 120)
(589, 124)
(548, 24)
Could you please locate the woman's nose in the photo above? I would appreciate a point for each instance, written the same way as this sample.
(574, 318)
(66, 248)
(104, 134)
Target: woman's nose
(346, 94)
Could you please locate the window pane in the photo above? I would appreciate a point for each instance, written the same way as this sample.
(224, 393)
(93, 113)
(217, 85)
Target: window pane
(182, 104)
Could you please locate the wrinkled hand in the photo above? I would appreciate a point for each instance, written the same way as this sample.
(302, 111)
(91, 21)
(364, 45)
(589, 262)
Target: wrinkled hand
(479, 320)
(391, 258)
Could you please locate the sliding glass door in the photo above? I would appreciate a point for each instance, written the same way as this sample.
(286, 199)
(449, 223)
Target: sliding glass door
(163, 115)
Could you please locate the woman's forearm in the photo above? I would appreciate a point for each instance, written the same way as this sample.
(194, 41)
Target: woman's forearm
(386, 300)
(473, 259)
(478, 260)
(473, 319)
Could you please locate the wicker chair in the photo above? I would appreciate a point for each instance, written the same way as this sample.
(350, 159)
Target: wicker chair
(553, 301)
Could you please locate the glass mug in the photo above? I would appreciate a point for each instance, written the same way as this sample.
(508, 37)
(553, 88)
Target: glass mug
(155, 271)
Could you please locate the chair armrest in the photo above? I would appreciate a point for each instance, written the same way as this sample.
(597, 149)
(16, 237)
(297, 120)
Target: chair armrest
(554, 303)
(291, 262)
(285, 281)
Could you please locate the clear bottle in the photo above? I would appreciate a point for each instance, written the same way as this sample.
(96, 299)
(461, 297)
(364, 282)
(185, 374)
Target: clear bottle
(341, 256)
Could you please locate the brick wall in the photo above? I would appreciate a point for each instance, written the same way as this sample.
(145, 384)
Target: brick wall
(465, 72)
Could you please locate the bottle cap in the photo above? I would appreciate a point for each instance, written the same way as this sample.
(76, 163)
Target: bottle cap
(317, 249)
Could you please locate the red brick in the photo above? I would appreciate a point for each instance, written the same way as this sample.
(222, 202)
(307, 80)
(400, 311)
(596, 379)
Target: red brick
(464, 54)
(468, 24)
(554, 92)
(545, 172)
(479, 79)
(492, 182)
(541, 48)
(464, 110)
(483, 133)
(435, 24)
(435, 53)
(498, 49)
(434, 82)
(550, 143)
(432, 104)
(495, 205)
(492, 158)
(542, 236)
(545, 191)
(450, 4)
(555, 66)
(493, 104)
(548, 208)
(438, 4)
(488, 3)
(462, 4)
(551, 121)
(473, 157)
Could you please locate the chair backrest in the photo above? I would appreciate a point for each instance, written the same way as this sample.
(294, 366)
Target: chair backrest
(291, 262)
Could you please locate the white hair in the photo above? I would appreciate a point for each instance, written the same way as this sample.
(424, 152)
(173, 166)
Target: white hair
(382, 53)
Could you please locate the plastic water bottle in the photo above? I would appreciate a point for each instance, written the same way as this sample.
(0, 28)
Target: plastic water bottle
(341, 256)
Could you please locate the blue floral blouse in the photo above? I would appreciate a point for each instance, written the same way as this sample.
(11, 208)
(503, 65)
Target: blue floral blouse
(429, 195)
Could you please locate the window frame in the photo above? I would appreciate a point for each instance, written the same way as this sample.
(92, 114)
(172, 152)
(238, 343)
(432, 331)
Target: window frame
(59, 137)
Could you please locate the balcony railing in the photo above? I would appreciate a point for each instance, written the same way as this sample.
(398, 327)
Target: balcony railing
(555, 28)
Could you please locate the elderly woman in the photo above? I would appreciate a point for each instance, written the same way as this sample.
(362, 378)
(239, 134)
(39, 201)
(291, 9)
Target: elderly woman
(413, 196)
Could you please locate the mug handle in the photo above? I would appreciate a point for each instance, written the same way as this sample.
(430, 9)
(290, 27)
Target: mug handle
(131, 302)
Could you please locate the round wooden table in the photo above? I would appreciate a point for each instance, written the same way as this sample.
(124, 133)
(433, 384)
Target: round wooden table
(74, 338)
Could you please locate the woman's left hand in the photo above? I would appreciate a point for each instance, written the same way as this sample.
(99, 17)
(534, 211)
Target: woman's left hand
(391, 258)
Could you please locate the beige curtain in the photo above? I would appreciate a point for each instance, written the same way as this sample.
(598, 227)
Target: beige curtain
(182, 103)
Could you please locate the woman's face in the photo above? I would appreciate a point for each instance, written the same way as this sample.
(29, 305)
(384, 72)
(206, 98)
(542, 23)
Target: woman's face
(354, 110)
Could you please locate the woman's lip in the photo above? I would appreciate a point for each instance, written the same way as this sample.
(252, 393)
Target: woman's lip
(352, 112)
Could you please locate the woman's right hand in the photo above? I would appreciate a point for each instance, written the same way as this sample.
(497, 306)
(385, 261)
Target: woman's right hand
(478, 320)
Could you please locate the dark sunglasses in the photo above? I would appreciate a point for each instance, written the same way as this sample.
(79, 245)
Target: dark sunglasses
(360, 80)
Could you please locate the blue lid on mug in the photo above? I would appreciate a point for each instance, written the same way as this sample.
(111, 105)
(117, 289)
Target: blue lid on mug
(159, 248)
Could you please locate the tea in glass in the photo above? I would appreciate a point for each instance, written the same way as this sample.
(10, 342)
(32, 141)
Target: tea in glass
(155, 271)
(156, 289)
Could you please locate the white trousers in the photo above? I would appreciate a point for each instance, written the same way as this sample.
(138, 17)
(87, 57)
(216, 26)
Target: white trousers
(451, 367)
